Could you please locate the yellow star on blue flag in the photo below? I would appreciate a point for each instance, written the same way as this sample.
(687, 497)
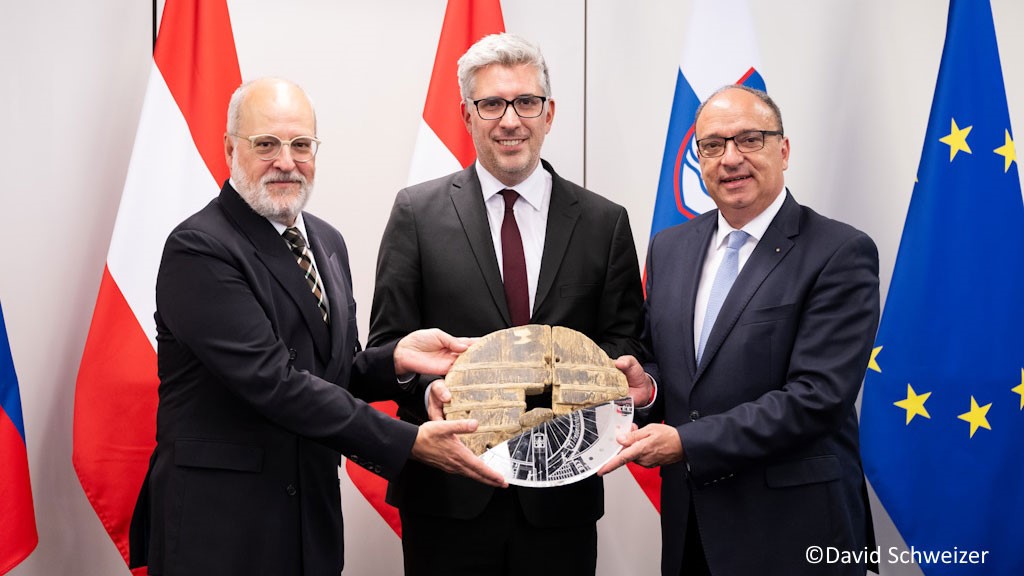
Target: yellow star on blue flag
(952, 324)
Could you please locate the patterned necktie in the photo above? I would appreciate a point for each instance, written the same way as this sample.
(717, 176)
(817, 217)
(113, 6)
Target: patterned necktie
(727, 272)
(513, 264)
(298, 246)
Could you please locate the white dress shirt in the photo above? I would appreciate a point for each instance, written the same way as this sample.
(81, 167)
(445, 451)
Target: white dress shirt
(531, 210)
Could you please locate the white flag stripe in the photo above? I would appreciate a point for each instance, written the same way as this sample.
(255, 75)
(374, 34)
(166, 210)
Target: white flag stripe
(720, 45)
(431, 158)
(167, 181)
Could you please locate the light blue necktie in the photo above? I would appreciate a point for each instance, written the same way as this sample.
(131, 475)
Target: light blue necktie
(724, 279)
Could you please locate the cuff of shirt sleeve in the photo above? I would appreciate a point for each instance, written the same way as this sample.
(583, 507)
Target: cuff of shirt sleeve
(654, 393)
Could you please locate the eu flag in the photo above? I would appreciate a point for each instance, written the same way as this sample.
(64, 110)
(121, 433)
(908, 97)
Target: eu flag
(943, 409)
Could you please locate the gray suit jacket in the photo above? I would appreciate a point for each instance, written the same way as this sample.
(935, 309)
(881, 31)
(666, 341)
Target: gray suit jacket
(767, 420)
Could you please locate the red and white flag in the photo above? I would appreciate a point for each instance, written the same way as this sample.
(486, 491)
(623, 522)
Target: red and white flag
(177, 166)
(442, 146)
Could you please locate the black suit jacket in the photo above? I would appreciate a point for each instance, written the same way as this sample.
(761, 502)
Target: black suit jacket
(767, 421)
(254, 409)
(437, 267)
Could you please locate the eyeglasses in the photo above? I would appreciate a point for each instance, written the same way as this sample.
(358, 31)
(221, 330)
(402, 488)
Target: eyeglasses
(267, 146)
(751, 141)
(528, 106)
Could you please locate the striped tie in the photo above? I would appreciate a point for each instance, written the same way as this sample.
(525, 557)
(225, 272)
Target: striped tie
(298, 246)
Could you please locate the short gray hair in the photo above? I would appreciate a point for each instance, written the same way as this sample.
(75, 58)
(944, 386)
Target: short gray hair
(761, 95)
(235, 105)
(505, 50)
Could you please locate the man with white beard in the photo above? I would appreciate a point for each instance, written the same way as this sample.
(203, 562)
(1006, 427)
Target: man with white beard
(260, 369)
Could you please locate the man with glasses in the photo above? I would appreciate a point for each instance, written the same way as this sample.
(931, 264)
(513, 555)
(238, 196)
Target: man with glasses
(505, 242)
(260, 367)
(760, 317)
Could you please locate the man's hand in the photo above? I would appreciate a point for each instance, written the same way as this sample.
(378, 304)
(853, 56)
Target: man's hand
(439, 394)
(429, 351)
(650, 446)
(640, 386)
(437, 445)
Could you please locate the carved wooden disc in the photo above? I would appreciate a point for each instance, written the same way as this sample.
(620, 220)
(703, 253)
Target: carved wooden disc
(490, 381)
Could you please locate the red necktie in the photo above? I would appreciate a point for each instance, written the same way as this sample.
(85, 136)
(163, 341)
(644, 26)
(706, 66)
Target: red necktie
(513, 264)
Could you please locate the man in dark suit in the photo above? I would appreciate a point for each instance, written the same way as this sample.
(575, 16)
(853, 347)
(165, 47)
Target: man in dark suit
(446, 260)
(259, 367)
(756, 384)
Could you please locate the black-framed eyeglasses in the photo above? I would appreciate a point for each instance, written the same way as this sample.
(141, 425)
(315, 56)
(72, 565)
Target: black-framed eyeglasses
(750, 141)
(526, 106)
(268, 147)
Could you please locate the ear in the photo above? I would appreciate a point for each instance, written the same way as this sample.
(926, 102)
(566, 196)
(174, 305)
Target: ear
(467, 116)
(229, 148)
(549, 116)
(784, 149)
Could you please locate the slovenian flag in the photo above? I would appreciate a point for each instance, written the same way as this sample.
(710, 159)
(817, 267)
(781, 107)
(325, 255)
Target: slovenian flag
(18, 535)
(177, 166)
(720, 48)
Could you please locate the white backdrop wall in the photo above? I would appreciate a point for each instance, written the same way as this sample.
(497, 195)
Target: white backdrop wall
(854, 78)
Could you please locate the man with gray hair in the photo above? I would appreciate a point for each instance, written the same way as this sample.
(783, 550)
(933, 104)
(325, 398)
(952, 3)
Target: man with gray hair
(260, 369)
(503, 243)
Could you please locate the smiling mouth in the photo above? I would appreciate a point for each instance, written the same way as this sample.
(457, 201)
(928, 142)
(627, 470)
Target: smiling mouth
(734, 179)
(511, 143)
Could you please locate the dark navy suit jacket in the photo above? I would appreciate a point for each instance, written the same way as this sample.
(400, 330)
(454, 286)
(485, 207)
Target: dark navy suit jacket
(767, 420)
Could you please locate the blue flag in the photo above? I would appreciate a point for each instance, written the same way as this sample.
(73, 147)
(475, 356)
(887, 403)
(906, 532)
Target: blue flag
(942, 422)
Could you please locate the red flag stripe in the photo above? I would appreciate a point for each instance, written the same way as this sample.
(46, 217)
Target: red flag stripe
(115, 408)
(373, 487)
(195, 52)
(465, 22)
(18, 536)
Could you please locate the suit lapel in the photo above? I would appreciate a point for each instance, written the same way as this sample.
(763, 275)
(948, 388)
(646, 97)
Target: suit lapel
(337, 288)
(467, 198)
(770, 250)
(273, 251)
(695, 248)
(563, 212)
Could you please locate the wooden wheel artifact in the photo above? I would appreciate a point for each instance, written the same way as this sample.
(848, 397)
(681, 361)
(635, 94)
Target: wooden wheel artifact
(490, 381)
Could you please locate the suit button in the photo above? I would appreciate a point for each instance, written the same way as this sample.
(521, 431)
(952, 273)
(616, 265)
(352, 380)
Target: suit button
(291, 490)
(694, 415)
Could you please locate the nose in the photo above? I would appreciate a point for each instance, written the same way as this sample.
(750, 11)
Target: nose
(510, 119)
(732, 154)
(284, 160)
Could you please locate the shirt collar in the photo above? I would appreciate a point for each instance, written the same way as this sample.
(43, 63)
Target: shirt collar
(756, 227)
(299, 223)
(532, 189)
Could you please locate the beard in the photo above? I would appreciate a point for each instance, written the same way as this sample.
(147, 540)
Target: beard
(279, 207)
